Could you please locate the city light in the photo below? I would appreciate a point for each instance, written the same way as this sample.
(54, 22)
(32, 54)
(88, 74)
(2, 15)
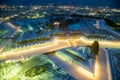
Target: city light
(63, 32)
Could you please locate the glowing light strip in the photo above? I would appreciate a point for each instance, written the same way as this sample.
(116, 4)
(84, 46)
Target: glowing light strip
(78, 68)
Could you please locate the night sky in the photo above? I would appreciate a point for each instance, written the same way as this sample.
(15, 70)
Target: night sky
(92, 3)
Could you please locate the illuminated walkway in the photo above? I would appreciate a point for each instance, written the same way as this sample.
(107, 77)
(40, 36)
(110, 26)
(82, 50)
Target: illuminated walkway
(56, 44)
(101, 71)
(106, 44)
(52, 46)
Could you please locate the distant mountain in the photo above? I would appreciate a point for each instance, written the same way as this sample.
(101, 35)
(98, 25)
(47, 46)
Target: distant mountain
(93, 3)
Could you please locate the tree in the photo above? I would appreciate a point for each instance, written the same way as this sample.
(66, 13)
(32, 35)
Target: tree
(95, 47)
